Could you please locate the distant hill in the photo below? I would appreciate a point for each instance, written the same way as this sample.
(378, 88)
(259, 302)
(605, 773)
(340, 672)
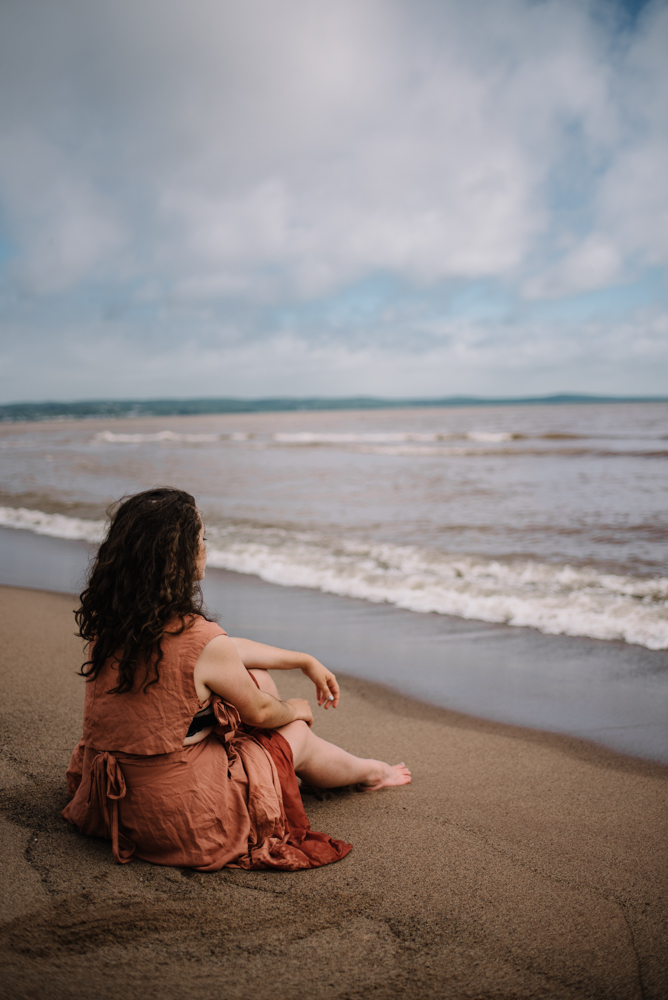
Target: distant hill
(183, 407)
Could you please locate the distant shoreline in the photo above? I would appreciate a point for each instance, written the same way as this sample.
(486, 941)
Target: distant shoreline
(172, 407)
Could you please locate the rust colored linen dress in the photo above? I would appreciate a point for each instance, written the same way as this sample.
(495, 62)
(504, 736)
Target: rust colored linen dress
(230, 800)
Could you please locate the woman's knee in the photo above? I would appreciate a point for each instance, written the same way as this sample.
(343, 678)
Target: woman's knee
(265, 681)
(297, 730)
(297, 734)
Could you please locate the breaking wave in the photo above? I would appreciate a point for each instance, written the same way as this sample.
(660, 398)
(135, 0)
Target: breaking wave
(310, 437)
(169, 437)
(478, 443)
(555, 599)
(56, 525)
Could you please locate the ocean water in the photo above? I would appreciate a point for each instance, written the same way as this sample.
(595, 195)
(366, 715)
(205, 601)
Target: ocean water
(547, 517)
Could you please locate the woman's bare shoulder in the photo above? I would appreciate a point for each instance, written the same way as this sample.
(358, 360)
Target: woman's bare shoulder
(219, 649)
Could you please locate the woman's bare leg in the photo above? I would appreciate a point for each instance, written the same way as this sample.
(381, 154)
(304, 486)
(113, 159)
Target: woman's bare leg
(325, 765)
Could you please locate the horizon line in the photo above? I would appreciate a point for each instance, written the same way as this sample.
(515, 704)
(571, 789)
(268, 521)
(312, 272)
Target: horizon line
(209, 405)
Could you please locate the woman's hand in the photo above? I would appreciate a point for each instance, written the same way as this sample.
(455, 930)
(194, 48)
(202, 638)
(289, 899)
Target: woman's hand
(302, 710)
(325, 682)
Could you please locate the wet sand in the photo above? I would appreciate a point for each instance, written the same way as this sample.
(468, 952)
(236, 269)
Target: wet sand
(519, 864)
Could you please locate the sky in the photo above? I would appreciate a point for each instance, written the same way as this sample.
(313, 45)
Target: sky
(333, 197)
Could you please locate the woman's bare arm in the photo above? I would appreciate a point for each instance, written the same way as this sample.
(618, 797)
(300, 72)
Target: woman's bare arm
(220, 669)
(259, 655)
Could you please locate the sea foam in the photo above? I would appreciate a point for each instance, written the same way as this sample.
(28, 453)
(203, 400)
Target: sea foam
(56, 525)
(164, 437)
(554, 598)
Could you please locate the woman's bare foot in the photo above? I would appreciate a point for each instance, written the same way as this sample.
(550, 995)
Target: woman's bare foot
(390, 774)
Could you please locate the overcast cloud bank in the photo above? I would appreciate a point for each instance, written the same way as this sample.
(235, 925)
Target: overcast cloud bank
(316, 198)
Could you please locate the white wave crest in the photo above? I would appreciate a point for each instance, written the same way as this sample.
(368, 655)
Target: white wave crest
(556, 599)
(314, 438)
(311, 437)
(489, 437)
(56, 525)
(109, 437)
(395, 437)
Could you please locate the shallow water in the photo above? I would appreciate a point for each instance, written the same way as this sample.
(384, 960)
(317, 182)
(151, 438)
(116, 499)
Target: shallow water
(552, 517)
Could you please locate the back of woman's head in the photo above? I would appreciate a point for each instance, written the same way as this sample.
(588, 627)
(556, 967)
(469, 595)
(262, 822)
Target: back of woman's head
(144, 576)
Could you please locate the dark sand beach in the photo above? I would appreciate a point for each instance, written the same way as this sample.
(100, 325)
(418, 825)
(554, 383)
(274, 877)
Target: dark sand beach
(519, 863)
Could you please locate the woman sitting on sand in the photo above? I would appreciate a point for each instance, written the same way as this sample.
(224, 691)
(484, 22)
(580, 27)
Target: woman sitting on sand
(188, 755)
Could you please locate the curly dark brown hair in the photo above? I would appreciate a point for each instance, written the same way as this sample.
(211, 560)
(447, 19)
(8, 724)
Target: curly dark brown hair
(143, 578)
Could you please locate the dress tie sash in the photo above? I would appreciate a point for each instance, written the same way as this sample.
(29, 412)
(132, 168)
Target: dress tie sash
(107, 788)
(228, 721)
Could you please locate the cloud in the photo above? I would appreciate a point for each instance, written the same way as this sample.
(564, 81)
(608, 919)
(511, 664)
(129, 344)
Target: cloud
(593, 263)
(216, 167)
(63, 225)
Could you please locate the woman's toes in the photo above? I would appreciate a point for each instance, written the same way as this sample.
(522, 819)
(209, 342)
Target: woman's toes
(395, 774)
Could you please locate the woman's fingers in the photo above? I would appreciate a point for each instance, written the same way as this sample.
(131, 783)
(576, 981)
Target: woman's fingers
(302, 710)
(328, 695)
(333, 690)
(326, 686)
(324, 697)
